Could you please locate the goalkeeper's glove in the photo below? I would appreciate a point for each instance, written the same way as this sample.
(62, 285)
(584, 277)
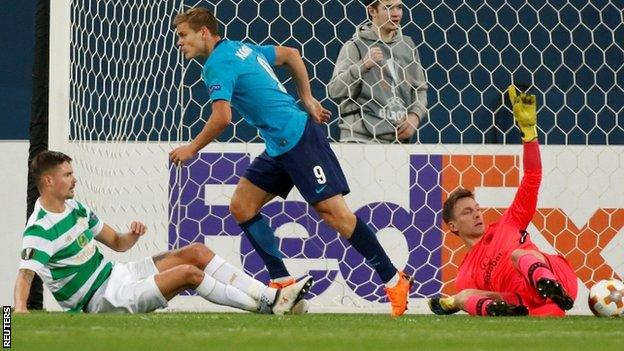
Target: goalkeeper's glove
(525, 113)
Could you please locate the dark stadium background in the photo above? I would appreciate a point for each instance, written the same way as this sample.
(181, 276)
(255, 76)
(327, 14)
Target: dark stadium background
(581, 103)
(17, 41)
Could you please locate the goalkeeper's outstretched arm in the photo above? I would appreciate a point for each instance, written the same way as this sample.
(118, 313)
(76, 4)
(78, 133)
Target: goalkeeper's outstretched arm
(523, 208)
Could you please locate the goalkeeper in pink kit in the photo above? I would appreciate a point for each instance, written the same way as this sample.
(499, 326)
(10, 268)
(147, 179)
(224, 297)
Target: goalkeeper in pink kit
(504, 273)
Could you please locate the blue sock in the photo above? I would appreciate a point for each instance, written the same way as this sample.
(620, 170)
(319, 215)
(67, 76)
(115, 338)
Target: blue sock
(365, 242)
(262, 238)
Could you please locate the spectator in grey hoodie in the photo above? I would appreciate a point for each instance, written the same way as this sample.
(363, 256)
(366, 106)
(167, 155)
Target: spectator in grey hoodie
(378, 80)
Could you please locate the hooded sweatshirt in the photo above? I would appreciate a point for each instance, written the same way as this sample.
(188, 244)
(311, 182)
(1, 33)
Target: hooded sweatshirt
(373, 102)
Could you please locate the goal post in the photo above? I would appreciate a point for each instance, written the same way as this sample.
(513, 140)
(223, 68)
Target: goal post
(121, 97)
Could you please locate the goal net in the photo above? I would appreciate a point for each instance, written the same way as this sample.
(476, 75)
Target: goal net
(121, 97)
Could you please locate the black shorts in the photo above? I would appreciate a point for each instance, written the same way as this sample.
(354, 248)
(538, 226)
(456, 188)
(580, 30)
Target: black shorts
(310, 165)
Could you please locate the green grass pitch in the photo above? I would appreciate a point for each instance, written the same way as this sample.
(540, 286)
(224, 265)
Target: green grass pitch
(237, 331)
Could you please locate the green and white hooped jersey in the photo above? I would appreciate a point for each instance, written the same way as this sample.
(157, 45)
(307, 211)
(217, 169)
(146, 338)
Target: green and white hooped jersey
(60, 248)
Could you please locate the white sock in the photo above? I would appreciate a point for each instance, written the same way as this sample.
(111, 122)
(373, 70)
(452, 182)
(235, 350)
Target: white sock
(226, 273)
(393, 282)
(219, 293)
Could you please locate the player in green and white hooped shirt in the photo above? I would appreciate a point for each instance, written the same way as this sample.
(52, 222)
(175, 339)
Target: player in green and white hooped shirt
(58, 245)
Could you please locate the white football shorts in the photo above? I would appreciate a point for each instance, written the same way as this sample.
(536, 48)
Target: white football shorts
(129, 288)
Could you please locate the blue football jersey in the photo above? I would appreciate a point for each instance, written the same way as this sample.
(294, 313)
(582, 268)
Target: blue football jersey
(241, 73)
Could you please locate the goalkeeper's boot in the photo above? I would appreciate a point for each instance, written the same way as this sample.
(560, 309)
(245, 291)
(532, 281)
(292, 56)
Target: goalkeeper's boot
(442, 305)
(502, 308)
(288, 297)
(300, 307)
(399, 294)
(553, 290)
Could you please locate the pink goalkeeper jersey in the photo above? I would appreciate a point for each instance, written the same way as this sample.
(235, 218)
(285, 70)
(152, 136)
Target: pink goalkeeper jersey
(488, 266)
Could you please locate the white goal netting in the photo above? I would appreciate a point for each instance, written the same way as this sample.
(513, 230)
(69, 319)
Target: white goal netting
(122, 96)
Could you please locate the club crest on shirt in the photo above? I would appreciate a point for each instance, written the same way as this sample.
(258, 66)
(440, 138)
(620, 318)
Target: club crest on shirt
(82, 240)
(28, 253)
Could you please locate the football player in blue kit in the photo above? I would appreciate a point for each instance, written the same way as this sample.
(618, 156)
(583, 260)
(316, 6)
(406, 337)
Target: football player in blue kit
(240, 75)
